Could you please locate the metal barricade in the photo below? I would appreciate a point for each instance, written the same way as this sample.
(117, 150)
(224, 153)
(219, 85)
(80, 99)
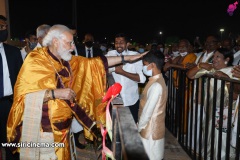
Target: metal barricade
(191, 115)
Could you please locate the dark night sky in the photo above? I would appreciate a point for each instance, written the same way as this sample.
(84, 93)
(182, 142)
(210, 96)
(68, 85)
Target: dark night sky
(141, 21)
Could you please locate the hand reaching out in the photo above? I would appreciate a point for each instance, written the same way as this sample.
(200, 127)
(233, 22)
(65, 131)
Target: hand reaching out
(236, 71)
(131, 58)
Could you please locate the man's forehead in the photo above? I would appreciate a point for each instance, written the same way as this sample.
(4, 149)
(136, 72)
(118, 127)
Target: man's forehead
(67, 36)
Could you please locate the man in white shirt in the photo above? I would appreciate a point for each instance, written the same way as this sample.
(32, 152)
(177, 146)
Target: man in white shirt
(30, 41)
(127, 74)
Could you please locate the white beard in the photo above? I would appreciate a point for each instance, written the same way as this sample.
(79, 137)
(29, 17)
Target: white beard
(65, 54)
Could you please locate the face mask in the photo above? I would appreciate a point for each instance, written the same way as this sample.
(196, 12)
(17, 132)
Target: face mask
(147, 72)
(32, 45)
(140, 50)
(175, 53)
(3, 35)
(183, 54)
(89, 44)
(103, 48)
(161, 49)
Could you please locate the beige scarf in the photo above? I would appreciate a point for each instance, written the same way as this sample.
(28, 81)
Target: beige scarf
(31, 129)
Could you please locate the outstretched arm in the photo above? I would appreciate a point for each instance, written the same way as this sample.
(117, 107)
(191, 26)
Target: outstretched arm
(114, 60)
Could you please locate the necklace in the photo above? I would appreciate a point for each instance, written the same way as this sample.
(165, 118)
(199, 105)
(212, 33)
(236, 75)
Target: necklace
(72, 104)
(63, 67)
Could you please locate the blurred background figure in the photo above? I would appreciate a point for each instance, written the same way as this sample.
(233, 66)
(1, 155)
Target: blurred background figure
(236, 55)
(173, 51)
(41, 31)
(10, 64)
(197, 46)
(88, 49)
(30, 43)
(141, 48)
(161, 46)
(75, 38)
(103, 47)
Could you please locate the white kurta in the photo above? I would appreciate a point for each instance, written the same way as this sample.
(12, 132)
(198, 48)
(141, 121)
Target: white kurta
(153, 148)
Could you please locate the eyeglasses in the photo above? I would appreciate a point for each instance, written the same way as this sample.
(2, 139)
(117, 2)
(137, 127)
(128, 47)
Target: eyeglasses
(2, 27)
(72, 43)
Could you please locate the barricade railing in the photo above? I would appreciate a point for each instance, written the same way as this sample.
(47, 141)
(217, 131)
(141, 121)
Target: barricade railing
(200, 113)
(126, 142)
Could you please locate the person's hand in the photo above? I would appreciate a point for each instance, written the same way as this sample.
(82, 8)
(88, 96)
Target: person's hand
(119, 69)
(190, 65)
(65, 93)
(236, 71)
(206, 66)
(166, 66)
(132, 58)
(220, 74)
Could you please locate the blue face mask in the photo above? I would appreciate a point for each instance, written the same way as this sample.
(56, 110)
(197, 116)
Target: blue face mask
(32, 45)
(140, 50)
(103, 48)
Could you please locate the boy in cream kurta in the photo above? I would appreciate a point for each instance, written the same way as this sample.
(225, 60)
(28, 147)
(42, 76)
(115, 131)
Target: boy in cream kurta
(152, 106)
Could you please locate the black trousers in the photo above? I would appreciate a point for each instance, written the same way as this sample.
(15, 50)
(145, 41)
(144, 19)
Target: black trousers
(5, 106)
(134, 110)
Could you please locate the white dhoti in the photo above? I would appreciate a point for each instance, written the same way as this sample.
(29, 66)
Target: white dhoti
(76, 126)
(154, 148)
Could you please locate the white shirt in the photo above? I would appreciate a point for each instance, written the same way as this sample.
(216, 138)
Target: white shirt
(23, 53)
(38, 45)
(91, 51)
(7, 86)
(236, 58)
(205, 57)
(129, 92)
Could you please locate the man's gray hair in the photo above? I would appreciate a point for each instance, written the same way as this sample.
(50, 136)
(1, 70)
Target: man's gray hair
(56, 31)
(42, 30)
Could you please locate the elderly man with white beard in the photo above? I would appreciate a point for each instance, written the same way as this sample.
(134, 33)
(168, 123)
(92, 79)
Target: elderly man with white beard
(53, 87)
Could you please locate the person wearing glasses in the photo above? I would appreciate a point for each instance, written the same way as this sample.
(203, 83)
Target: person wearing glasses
(53, 86)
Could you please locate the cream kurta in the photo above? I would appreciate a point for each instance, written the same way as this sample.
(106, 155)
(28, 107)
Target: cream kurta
(152, 116)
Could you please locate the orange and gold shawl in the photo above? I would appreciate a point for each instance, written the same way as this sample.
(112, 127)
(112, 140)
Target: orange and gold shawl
(38, 72)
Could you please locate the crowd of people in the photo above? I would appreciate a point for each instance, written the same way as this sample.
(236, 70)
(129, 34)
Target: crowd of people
(53, 86)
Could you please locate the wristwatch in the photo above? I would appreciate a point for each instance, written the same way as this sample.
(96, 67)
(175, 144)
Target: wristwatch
(123, 61)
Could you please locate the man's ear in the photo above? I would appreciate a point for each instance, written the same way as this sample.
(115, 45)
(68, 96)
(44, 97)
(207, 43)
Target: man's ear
(153, 65)
(55, 42)
(128, 44)
(227, 59)
(26, 40)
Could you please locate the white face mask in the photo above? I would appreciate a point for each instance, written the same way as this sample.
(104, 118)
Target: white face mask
(175, 53)
(183, 54)
(147, 72)
(161, 49)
